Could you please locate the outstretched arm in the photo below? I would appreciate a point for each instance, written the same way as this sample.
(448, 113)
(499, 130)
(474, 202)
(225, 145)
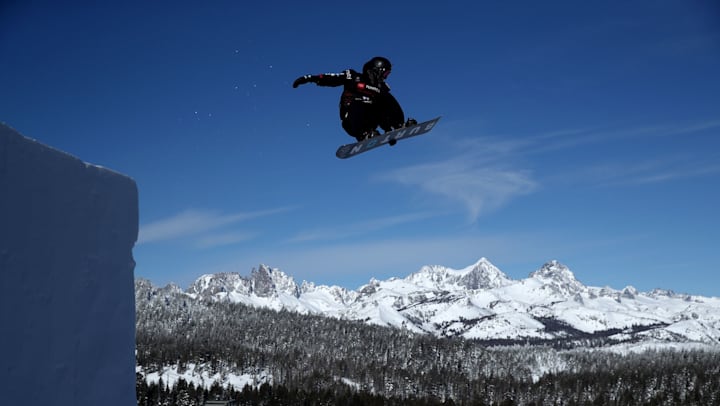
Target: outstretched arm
(305, 79)
(324, 79)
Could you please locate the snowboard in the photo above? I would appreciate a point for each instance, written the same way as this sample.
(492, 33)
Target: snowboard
(391, 137)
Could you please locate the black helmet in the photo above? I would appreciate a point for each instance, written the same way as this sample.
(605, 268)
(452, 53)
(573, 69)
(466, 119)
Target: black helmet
(377, 70)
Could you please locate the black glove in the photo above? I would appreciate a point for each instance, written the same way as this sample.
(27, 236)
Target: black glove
(302, 80)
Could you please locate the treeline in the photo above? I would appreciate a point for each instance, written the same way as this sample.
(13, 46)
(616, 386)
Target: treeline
(184, 394)
(309, 356)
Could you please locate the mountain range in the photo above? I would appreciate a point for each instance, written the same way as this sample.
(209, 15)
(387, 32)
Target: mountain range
(481, 302)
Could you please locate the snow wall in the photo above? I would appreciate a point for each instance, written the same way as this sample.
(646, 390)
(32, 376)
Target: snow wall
(67, 306)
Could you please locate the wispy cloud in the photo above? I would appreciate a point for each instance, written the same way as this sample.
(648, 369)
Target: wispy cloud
(479, 186)
(220, 239)
(488, 171)
(194, 223)
(646, 172)
(691, 128)
(564, 139)
(648, 165)
(678, 173)
(671, 152)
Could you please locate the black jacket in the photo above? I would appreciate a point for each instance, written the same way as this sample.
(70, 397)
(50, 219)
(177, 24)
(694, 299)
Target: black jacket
(356, 89)
(363, 106)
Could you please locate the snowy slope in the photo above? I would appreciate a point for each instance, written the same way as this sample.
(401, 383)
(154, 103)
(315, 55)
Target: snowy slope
(67, 229)
(481, 302)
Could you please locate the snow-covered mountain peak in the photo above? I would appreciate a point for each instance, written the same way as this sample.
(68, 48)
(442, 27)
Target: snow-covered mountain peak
(307, 287)
(558, 278)
(266, 282)
(481, 275)
(212, 284)
(262, 282)
(630, 292)
(553, 270)
(478, 301)
(370, 288)
(430, 276)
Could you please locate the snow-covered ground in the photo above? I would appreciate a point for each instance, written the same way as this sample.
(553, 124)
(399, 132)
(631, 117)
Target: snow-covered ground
(67, 307)
(201, 377)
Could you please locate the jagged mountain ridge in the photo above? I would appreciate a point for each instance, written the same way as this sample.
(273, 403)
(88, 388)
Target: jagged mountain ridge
(481, 302)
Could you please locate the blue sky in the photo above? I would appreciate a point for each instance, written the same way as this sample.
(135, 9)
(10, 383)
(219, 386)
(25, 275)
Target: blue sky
(587, 132)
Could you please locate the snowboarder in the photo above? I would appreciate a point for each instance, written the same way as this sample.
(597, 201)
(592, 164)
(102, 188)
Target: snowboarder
(366, 102)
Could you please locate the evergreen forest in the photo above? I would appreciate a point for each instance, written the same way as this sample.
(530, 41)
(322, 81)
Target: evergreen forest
(315, 360)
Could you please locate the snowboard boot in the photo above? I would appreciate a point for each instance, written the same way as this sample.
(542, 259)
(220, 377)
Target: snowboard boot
(409, 123)
(369, 134)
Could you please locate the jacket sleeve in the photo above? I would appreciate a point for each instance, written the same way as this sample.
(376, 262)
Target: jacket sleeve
(334, 79)
(325, 79)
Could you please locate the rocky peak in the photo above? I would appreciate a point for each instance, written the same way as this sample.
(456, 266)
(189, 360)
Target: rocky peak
(483, 275)
(210, 285)
(558, 278)
(267, 282)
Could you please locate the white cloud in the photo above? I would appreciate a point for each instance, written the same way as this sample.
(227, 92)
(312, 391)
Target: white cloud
(485, 174)
(660, 171)
(479, 187)
(196, 222)
(220, 239)
(646, 166)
